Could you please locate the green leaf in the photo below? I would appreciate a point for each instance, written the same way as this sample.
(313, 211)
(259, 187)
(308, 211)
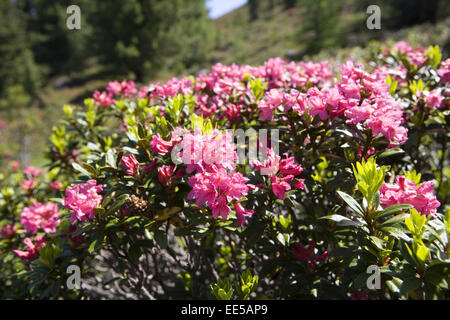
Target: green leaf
(394, 285)
(391, 152)
(352, 203)
(418, 219)
(161, 238)
(422, 253)
(134, 252)
(94, 245)
(111, 158)
(223, 295)
(341, 220)
(410, 284)
(393, 209)
(283, 238)
(396, 233)
(394, 220)
(80, 169)
(117, 204)
(379, 243)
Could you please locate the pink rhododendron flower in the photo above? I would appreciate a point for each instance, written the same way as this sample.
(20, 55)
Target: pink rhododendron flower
(280, 186)
(421, 197)
(166, 173)
(241, 213)
(114, 87)
(32, 251)
(416, 56)
(56, 185)
(103, 98)
(32, 171)
(367, 154)
(149, 166)
(7, 231)
(309, 255)
(444, 71)
(131, 164)
(434, 98)
(273, 99)
(362, 97)
(216, 189)
(82, 199)
(44, 216)
(201, 151)
(311, 72)
(15, 165)
(232, 112)
(378, 111)
(78, 239)
(397, 73)
(128, 88)
(125, 88)
(159, 145)
(28, 184)
(281, 172)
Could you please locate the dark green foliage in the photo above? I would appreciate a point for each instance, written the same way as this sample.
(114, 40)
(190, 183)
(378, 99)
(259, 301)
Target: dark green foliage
(253, 6)
(321, 25)
(144, 36)
(17, 65)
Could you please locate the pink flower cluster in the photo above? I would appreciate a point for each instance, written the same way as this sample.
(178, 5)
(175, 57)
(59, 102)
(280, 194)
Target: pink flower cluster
(44, 216)
(309, 255)
(124, 88)
(281, 172)
(103, 98)
(213, 157)
(359, 96)
(435, 99)
(416, 56)
(397, 73)
(56, 185)
(28, 184)
(201, 151)
(216, 189)
(367, 153)
(7, 231)
(15, 165)
(444, 71)
(421, 197)
(31, 182)
(368, 101)
(169, 89)
(131, 164)
(159, 145)
(82, 199)
(32, 171)
(167, 173)
(74, 239)
(213, 90)
(32, 251)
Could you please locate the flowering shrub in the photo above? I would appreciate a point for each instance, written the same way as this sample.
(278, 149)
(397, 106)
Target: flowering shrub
(175, 190)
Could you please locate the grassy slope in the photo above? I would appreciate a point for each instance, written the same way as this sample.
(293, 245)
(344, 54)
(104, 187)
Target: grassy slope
(278, 33)
(241, 41)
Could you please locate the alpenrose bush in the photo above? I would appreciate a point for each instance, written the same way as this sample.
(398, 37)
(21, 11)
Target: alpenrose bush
(147, 193)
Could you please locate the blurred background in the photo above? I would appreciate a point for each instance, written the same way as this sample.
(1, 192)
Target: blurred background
(44, 65)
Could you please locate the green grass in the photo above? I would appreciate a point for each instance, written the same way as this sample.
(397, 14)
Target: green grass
(282, 33)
